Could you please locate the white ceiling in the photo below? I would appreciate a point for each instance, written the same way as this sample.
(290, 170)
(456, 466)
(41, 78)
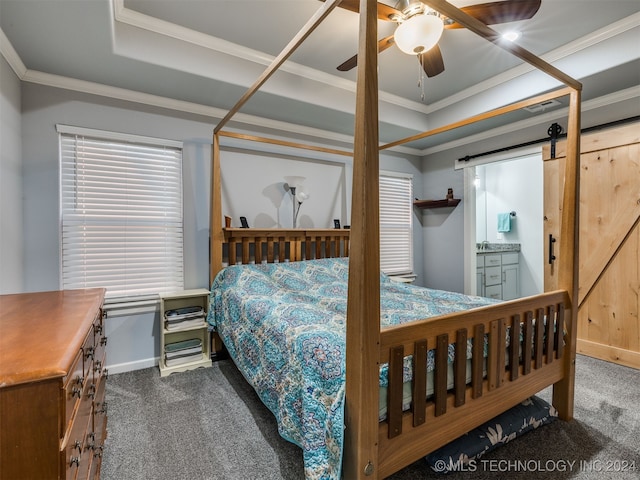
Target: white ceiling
(201, 55)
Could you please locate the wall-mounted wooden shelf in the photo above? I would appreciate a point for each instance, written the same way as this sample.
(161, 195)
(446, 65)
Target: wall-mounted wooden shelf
(447, 202)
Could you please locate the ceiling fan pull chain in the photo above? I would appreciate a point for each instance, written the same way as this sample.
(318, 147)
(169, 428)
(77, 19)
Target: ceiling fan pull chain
(421, 76)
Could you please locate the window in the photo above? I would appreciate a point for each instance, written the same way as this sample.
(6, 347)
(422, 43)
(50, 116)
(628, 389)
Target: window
(121, 208)
(396, 212)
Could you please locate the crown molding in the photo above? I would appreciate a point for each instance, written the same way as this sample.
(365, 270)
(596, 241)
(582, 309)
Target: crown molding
(117, 93)
(250, 121)
(632, 93)
(11, 56)
(92, 88)
(132, 18)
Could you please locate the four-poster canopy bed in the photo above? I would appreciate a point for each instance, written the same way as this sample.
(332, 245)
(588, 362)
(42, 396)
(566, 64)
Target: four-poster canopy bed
(529, 343)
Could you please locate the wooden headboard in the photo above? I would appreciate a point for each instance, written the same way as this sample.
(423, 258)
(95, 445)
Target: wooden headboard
(257, 245)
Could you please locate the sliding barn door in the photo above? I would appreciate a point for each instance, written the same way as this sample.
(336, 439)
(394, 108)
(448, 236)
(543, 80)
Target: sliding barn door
(609, 271)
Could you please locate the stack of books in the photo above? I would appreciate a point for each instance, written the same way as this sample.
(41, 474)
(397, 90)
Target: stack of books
(183, 317)
(179, 353)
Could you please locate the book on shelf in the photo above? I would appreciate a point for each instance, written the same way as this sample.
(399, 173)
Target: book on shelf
(192, 322)
(172, 362)
(179, 353)
(182, 345)
(184, 317)
(183, 348)
(183, 313)
(182, 353)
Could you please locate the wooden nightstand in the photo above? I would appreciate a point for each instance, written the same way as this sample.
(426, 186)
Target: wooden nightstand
(184, 337)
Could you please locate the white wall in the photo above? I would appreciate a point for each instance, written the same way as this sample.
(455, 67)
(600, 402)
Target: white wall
(515, 185)
(251, 186)
(11, 240)
(263, 200)
(443, 235)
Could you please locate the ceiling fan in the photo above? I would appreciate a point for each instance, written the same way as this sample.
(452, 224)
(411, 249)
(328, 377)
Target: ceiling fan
(414, 17)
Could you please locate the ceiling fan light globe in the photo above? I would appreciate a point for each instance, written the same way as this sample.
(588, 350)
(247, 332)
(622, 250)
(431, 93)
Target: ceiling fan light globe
(419, 33)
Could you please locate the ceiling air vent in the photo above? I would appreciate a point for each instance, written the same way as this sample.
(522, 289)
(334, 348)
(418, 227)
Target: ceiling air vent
(539, 107)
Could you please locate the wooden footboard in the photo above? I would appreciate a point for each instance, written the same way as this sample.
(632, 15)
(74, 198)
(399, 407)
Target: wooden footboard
(526, 344)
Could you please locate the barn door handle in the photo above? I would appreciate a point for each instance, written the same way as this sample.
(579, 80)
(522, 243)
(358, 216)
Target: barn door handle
(552, 257)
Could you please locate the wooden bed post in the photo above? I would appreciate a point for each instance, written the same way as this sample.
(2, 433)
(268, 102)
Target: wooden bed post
(363, 299)
(563, 391)
(216, 234)
(215, 227)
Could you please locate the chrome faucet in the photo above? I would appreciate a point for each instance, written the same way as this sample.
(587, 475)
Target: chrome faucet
(484, 245)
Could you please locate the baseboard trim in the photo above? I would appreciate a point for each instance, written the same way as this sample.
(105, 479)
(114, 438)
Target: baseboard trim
(628, 358)
(131, 366)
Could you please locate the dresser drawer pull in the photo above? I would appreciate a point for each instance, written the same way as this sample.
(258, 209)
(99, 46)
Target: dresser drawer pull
(80, 381)
(77, 446)
(89, 353)
(104, 408)
(99, 329)
(76, 392)
(98, 366)
(74, 460)
(105, 373)
(91, 441)
(98, 452)
(103, 341)
(92, 391)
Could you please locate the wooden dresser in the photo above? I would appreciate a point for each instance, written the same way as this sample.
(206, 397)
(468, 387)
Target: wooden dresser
(53, 416)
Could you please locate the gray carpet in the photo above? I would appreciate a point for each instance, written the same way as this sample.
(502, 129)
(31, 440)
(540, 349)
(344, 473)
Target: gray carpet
(209, 424)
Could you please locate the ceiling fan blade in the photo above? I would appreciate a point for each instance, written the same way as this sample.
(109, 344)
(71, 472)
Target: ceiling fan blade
(432, 62)
(500, 12)
(383, 44)
(384, 11)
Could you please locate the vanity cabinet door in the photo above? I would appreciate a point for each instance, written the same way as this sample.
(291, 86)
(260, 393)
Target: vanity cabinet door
(510, 279)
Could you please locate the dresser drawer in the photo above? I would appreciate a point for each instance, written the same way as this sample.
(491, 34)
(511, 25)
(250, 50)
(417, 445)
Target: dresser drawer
(73, 389)
(76, 459)
(94, 471)
(100, 415)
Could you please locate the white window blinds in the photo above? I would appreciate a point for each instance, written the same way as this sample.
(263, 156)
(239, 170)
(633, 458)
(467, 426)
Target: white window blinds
(121, 207)
(396, 212)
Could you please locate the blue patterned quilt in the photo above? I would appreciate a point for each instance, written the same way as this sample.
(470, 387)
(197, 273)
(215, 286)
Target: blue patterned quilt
(284, 327)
